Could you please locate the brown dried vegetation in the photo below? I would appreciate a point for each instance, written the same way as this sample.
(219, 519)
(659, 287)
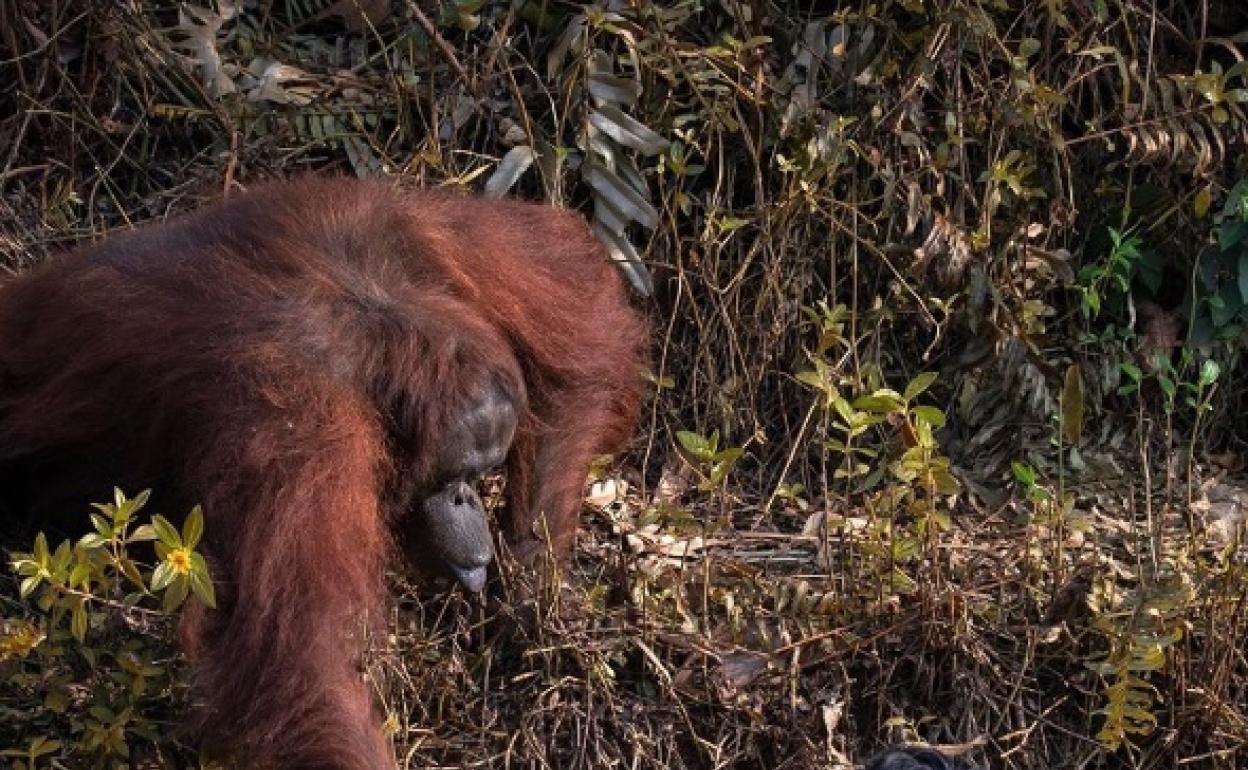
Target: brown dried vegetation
(1039, 551)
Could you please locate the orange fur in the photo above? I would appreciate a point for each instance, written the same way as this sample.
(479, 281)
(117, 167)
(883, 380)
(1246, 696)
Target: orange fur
(287, 358)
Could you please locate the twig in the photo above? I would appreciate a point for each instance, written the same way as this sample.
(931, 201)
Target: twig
(447, 51)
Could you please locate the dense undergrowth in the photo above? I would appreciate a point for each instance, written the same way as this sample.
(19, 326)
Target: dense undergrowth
(945, 441)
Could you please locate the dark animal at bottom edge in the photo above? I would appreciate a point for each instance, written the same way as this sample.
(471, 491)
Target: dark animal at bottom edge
(326, 366)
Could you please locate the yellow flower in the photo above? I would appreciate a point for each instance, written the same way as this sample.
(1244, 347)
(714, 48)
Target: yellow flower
(180, 560)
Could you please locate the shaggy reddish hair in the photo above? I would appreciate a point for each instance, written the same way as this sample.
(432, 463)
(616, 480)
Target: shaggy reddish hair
(289, 359)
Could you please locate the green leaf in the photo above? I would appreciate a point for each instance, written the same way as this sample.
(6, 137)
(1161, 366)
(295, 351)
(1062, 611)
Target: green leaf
(163, 576)
(92, 541)
(143, 534)
(42, 746)
(201, 586)
(811, 378)
(1209, 372)
(165, 532)
(880, 402)
(141, 499)
(176, 594)
(198, 563)
(78, 620)
(931, 415)
(131, 571)
(1024, 473)
(61, 559)
(41, 555)
(29, 585)
(696, 445)
(193, 529)
(1093, 299)
(80, 576)
(919, 384)
(842, 408)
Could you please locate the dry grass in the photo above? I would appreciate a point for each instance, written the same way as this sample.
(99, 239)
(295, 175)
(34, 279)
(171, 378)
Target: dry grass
(745, 652)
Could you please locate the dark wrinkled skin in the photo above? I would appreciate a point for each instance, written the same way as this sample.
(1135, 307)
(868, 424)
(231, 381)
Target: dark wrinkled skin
(458, 531)
(452, 522)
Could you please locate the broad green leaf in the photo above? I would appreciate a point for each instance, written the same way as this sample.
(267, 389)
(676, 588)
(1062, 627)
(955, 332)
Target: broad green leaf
(880, 402)
(842, 407)
(131, 571)
(918, 385)
(175, 595)
(61, 559)
(931, 415)
(102, 525)
(142, 534)
(29, 585)
(166, 532)
(79, 576)
(193, 528)
(202, 587)
(701, 448)
(1024, 473)
(163, 576)
(92, 541)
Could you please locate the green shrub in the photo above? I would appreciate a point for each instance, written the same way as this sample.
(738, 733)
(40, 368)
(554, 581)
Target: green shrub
(88, 677)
